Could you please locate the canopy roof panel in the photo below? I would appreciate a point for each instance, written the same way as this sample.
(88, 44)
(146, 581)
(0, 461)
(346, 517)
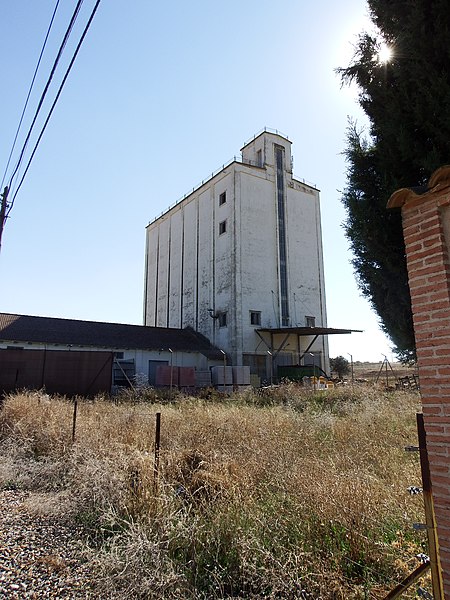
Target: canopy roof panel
(305, 331)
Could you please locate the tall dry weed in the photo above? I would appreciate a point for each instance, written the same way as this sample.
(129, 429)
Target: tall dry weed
(293, 494)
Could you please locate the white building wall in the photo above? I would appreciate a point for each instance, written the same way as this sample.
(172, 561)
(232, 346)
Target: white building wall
(306, 276)
(324, 339)
(152, 250)
(190, 233)
(175, 269)
(305, 250)
(162, 275)
(236, 234)
(223, 300)
(179, 359)
(259, 262)
(205, 261)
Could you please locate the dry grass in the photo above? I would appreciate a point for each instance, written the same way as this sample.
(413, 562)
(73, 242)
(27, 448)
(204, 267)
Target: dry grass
(381, 372)
(276, 496)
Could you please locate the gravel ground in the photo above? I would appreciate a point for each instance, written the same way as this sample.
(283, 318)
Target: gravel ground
(39, 556)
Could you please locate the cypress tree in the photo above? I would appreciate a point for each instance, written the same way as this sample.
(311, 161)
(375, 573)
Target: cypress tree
(407, 101)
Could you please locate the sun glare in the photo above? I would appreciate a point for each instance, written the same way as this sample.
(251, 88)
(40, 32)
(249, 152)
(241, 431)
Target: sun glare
(385, 54)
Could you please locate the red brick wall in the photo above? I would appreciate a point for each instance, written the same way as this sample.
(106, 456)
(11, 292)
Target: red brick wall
(426, 226)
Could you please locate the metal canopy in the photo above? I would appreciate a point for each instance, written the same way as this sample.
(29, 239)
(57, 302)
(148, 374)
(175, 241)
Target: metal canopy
(304, 331)
(299, 332)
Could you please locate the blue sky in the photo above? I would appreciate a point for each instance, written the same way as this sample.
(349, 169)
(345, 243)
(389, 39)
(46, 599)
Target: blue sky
(161, 95)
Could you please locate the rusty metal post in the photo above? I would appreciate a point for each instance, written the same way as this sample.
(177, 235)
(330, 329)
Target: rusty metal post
(430, 519)
(157, 449)
(171, 374)
(74, 420)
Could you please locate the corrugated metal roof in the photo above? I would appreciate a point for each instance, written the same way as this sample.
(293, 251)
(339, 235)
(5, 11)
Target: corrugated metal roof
(49, 330)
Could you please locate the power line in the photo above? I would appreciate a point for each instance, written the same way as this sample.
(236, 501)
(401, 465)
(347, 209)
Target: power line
(29, 92)
(44, 93)
(5, 205)
(69, 68)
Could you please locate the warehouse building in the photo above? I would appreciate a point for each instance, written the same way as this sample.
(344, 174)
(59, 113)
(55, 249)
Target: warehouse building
(68, 356)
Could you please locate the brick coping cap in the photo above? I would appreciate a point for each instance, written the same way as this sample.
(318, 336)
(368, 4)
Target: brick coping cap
(439, 179)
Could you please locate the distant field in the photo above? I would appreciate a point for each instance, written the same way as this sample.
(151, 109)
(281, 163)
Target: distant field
(287, 494)
(373, 371)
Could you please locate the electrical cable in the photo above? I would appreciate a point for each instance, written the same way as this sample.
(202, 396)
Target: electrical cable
(47, 85)
(69, 68)
(29, 93)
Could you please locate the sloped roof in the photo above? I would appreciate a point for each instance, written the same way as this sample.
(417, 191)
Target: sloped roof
(49, 330)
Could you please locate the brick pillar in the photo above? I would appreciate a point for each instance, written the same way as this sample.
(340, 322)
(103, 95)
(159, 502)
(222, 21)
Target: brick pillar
(426, 229)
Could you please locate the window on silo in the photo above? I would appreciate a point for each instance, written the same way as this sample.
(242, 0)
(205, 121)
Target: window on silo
(255, 317)
(222, 198)
(222, 316)
(310, 321)
(259, 161)
(222, 227)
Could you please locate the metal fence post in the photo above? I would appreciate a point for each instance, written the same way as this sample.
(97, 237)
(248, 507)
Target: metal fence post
(157, 448)
(74, 419)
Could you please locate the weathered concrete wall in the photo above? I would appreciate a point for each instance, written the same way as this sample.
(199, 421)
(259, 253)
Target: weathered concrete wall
(162, 279)
(176, 269)
(152, 250)
(426, 226)
(190, 232)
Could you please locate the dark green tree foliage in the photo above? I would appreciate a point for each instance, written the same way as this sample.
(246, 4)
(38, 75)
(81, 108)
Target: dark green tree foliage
(407, 101)
(340, 366)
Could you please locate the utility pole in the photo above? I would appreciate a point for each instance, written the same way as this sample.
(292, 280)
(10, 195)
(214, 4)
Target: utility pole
(3, 206)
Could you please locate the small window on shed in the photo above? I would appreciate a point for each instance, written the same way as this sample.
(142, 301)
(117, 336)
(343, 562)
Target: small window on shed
(222, 319)
(222, 227)
(222, 198)
(255, 317)
(310, 321)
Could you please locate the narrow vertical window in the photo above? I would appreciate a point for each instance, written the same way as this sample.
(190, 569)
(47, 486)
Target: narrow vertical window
(222, 198)
(255, 317)
(222, 319)
(279, 157)
(259, 162)
(222, 227)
